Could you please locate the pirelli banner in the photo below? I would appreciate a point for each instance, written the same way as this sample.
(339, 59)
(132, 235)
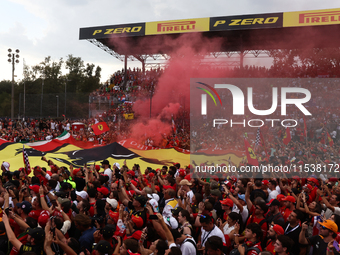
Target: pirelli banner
(311, 18)
(136, 29)
(177, 26)
(254, 21)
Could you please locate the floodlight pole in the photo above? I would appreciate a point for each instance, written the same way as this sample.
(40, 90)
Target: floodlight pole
(13, 58)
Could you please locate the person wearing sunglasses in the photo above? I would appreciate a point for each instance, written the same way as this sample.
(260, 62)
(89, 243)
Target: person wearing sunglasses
(320, 242)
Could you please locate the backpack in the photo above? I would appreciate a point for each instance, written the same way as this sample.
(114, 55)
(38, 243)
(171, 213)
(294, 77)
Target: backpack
(193, 243)
(236, 252)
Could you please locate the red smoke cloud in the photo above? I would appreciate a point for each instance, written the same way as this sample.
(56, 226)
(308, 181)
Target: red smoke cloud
(173, 89)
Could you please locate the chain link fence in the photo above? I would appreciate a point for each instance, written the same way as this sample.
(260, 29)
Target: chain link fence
(73, 105)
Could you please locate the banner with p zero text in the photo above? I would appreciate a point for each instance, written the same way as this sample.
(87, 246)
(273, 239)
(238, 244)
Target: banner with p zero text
(253, 21)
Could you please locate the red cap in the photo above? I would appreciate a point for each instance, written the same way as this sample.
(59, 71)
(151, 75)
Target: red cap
(227, 202)
(182, 172)
(312, 179)
(49, 173)
(265, 182)
(132, 173)
(278, 229)
(300, 162)
(280, 197)
(114, 216)
(290, 199)
(151, 175)
(333, 179)
(75, 171)
(35, 188)
(97, 167)
(168, 187)
(43, 218)
(137, 220)
(103, 190)
(308, 186)
(157, 188)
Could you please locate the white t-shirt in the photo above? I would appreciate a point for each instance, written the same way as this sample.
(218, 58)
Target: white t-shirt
(272, 194)
(214, 232)
(187, 247)
(108, 172)
(244, 213)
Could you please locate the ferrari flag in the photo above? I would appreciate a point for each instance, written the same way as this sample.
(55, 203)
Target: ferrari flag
(251, 157)
(99, 128)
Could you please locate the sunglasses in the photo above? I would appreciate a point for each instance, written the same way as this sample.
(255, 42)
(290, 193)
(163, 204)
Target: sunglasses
(203, 216)
(323, 227)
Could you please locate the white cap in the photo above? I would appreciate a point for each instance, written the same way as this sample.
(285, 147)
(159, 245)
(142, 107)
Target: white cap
(171, 221)
(83, 194)
(117, 165)
(6, 165)
(153, 196)
(154, 205)
(113, 202)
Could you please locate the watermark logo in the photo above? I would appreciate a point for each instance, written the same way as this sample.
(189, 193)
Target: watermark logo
(204, 97)
(239, 102)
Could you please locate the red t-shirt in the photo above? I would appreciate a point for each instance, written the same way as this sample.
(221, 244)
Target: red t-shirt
(254, 219)
(270, 247)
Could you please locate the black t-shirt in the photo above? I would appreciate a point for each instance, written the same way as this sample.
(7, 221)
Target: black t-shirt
(80, 183)
(37, 249)
(293, 233)
(319, 245)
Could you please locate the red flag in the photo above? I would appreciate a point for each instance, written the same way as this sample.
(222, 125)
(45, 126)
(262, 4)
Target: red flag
(330, 140)
(304, 127)
(100, 128)
(251, 157)
(287, 138)
(26, 161)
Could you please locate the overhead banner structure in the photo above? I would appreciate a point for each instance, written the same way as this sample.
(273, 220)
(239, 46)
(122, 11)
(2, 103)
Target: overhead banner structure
(311, 18)
(212, 24)
(177, 26)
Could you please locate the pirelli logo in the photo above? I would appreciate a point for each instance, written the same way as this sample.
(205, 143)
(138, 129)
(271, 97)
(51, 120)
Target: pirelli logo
(176, 26)
(311, 18)
(319, 17)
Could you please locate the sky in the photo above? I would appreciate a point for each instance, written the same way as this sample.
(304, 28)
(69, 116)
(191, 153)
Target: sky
(40, 28)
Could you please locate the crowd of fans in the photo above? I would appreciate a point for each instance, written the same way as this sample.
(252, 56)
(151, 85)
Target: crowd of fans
(120, 210)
